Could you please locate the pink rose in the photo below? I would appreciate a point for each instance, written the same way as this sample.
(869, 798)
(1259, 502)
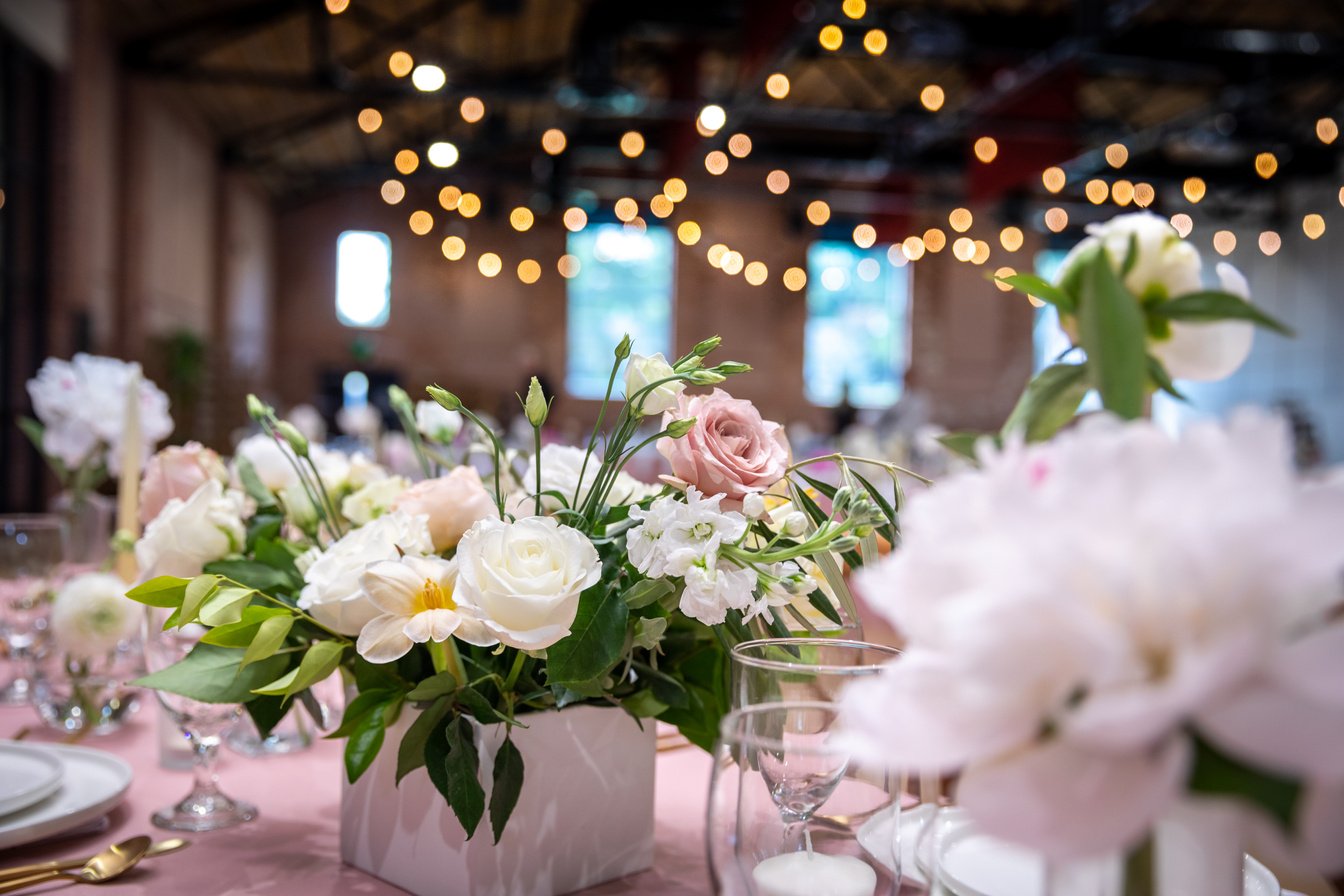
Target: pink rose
(176, 472)
(452, 503)
(730, 450)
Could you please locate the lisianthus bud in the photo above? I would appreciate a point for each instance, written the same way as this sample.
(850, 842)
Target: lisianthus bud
(705, 377)
(535, 405)
(706, 346)
(444, 397)
(729, 368)
(400, 401)
(290, 433)
(256, 408)
(678, 428)
(623, 347)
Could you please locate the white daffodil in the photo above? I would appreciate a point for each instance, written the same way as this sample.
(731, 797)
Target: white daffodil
(416, 597)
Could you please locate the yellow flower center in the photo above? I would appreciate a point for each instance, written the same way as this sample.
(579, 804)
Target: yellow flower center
(433, 596)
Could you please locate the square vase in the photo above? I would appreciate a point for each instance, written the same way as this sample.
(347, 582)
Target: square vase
(585, 814)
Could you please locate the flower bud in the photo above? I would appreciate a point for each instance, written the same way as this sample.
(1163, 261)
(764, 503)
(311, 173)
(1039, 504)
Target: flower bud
(444, 398)
(753, 506)
(256, 408)
(678, 428)
(795, 524)
(400, 401)
(844, 496)
(705, 377)
(290, 433)
(623, 347)
(844, 543)
(706, 346)
(535, 405)
(729, 368)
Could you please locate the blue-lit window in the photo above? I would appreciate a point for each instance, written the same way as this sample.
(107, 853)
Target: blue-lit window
(624, 285)
(856, 343)
(363, 278)
(1048, 339)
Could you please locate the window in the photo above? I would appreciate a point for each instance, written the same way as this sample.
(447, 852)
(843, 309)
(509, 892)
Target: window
(1048, 339)
(623, 285)
(856, 343)
(363, 278)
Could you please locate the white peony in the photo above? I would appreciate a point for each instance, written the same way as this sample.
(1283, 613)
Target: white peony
(332, 592)
(523, 579)
(417, 600)
(90, 616)
(1212, 351)
(188, 534)
(642, 371)
(373, 500)
(437, 422)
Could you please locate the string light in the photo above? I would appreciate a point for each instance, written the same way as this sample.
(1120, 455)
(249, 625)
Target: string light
(1035, 302)
(1341, 195)
(981, 254)
(637, 225)
(1117, 155)
(1194, 189)
(675, 189)
(575, 219)
(336, 7)
(688, 232)
(1327, 131)
(756, 273)
(963, 248)
(913, 247)
(932, 97)
(469, 206)
(868, 270)
(732, 263)
(777, 181)
(472, 109)
(1004, 272)
(393, 191)
(818, 212)
(407, 161)
(1144, 194)
(716, 162)
(489, 264)
(449, 197)
(626, 209)
(896, 255)
(831, 38)
(568, 266)
(553, 141)
(442, 154)
(428, 78)
(934, 239)
(521, 219)
(1266, 163)
(1056, 219)
(1054, 179)
(712, 118)
(454, 247)
(1122, 192)
(960, 219)
(1313, 226)
(986, 149)
(632, 144)
(854, 8)
(875, 42)
(661, 206)
(1270, 242)
(777, 86)
(795, 279)
(1183, 224)
(421, 222)
(370, 120)
(739, 145)
(1224, 241)
(715, 254)
(529, 271)
(400, 64)
(864, 236)
(1010, 238)
(1096, 191)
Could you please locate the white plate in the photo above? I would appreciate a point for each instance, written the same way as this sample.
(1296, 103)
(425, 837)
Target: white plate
(93, 782)
(975, 864)
(27, 774)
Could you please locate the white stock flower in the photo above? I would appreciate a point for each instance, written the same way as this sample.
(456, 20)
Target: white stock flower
(188, 534)
(91, 615)
(437, 422)
(713, 587)
(417, 602)
(373, 500)
(642, 371)
(332, 593)
(523, 579)
(674, 534)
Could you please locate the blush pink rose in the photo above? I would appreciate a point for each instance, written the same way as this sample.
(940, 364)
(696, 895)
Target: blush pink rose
(453, 504)
(730, 450)
(176, 472)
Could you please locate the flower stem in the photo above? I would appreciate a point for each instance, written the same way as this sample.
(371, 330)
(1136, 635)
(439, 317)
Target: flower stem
(536, 444)
(597, 428)
(1139, 868)
(515, 670)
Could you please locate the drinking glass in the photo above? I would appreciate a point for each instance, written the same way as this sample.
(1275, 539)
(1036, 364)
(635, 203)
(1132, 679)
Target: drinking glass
(205, 808)
(809, 669)
(776, 767)
(32, 554)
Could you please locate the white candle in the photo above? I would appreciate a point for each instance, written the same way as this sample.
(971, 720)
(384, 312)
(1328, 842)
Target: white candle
(814, 874)
(128, 487)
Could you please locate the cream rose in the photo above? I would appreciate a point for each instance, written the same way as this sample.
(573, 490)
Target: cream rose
(730, 450)
(332, 593)
(523, 579)
(641, 372)
(453, 503)
(90, 616)
(176, 472)
(188, 534)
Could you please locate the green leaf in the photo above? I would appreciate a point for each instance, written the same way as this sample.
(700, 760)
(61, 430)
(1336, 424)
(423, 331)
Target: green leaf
(411, 751)
(822, 604)
(266, 713)
(242, 632)
(961, 443)
(1215, 773)
(225, 605)
(508, 783)
(1041, 289)
(1049, 401)
(198, 590)
(462, 768)
(888, 509)
(475, 704)
(254, 575)
(433, 687)
(595, 641)
(251, 482)
(644, 704)
(1111, 330)
(1158, 374)
(362, 746)
(1212, 305)
(160, 591)
(270, 637)
(212, 675)
(645, 592)
(318, 662)
(824, 488)
(364, 703)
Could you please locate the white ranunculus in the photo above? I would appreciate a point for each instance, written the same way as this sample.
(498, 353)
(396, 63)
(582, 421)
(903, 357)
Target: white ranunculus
(560, 466)
(437, 422)
(271, 459)
(642, 371)
(332, 592)
(90, 616)
(523, 579)
(417, 600)
(188, 534)
(373, 500)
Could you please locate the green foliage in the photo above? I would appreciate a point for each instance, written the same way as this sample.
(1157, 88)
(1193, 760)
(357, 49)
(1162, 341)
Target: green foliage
(213, 674)
(1041, 289)
(1215, 773)
(1050, 401)
(454, 768)
(1111, 330)
(319, 661)
(507, 784)
(596, 640)
(411, 751)
(1213, 305)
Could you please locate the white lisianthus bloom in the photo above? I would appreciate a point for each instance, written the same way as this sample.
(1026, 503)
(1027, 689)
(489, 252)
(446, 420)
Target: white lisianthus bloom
(437, 422)
(1087, 603)
(523, 579)
(188, 534)
(713, 587)
(642, 371)
(332, 593)
(90, 616)
(418, 604)
(560, 466)
(373, 500)
(270, 458)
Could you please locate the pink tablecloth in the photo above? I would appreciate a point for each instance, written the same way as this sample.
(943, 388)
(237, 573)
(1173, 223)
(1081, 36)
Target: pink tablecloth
(293, 847)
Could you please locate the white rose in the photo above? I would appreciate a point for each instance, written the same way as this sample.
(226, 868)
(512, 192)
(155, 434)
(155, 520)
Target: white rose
(188, 534)
(332, 593)
(90, 616)
(642, 371)
(523, 579)
(437, 422)
(373, 500)
(272, 461)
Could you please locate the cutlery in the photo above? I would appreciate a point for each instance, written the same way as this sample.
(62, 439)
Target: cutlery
(163, 847)
(106, 865)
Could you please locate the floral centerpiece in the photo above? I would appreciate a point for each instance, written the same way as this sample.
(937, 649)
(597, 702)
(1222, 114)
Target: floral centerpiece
(553, 580)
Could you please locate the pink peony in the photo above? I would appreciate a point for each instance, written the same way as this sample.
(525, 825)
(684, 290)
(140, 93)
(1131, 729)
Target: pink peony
(176, 472)
(730, 450)
(453, 503)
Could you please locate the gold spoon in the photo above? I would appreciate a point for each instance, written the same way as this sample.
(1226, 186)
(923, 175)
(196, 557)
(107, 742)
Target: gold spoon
(111, 862)
(163, 847)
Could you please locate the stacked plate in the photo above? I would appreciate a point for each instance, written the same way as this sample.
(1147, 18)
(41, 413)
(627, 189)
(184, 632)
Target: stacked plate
(48, 789)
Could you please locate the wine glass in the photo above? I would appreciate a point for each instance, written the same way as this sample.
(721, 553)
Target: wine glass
(205, 808)
(775, 767)
(771, 670)
(32, 553)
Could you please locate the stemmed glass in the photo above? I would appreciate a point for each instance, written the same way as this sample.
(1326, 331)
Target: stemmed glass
(771, 670)
(32, 552)
(205, 808)
(776, 766)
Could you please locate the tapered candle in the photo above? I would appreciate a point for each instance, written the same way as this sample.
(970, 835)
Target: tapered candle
(128, 486)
